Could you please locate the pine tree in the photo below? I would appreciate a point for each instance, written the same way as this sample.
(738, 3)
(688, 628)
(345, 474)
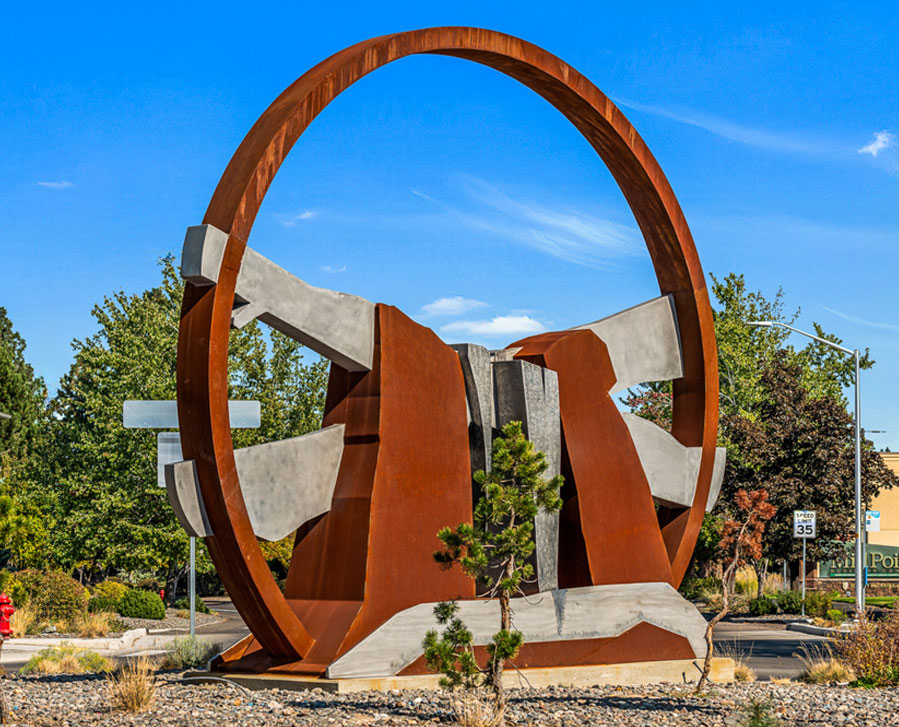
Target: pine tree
(495, 549)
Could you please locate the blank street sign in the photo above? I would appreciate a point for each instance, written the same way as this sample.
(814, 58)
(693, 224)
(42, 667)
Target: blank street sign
(164, 414)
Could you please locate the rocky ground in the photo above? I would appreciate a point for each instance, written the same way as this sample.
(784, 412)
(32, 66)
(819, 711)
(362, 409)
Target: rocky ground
(75, 701)
(175, 619)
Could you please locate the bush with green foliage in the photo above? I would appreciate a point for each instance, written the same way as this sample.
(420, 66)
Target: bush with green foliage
(835, 615)
(762, 607)
(138, 603)
(66, 659)
(56, 596)
(188, 652)
(790, 602)
(184, 604)
(818, 603)
(113, 590)
(102, 604)
(697, 588)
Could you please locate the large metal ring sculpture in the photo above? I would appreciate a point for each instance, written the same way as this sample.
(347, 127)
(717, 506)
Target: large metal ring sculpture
(404, 437)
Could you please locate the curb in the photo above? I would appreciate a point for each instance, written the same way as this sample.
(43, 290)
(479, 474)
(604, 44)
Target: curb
(814, 630)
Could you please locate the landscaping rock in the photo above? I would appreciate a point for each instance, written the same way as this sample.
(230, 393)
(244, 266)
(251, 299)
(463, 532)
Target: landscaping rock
(81, 700)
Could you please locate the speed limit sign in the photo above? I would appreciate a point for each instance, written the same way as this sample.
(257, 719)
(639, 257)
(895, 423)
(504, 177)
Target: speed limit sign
(803, 523)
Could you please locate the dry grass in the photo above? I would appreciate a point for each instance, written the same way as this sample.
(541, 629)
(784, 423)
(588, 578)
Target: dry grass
(92, 625)
(133, 687)
(475, 709)
(781, 680)
(23, 620)
(822, 667)
(742, 671)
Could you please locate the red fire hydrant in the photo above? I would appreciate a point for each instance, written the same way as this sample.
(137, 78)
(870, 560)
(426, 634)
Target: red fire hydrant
(6, 612)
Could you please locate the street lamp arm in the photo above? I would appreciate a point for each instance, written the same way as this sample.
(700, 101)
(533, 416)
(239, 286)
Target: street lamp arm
(767, 324)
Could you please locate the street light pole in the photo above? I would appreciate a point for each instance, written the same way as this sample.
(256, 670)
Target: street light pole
(860, 564)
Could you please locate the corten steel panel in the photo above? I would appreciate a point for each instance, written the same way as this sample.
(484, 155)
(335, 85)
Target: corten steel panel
(206, 311)
(615, 511)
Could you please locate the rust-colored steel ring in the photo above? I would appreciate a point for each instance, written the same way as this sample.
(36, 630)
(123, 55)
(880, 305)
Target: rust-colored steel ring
(206, 312)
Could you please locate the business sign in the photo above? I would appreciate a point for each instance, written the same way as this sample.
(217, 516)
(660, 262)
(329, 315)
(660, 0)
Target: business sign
(882, 560)
(872, 521)
(804, 524)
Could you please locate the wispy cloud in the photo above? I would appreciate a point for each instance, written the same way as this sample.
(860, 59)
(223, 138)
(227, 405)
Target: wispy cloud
(453, 306)
(567, 234)
(334, 268)
(292, 220)
(882, 140)
(495, 327)
(62, 184)
(862, 321)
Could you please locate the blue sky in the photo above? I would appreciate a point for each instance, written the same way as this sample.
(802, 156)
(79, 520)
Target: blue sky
(445, 188)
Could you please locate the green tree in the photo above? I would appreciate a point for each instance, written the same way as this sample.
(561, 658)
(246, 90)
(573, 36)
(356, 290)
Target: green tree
(495, 549)
(800, 448)
(99, 486)
(22, 394)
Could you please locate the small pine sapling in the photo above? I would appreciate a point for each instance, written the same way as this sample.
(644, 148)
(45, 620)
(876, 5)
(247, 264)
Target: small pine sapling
(495, 550)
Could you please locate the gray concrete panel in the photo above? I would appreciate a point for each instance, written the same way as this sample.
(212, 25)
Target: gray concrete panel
(287, 483)
(340, 327)
(558, 615)
(643, 342)
(284, 484)
(183, 489)
(671, 468)
(529, 393)
(201, 256)
(478, 375)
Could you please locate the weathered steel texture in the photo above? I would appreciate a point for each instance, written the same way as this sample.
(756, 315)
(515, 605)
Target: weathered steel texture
(615, 513)
(207, 310)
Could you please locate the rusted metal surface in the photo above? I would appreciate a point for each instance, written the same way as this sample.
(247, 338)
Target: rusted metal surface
(365, 554)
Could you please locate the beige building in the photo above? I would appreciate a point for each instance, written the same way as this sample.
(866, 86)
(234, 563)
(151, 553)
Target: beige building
(888, 504)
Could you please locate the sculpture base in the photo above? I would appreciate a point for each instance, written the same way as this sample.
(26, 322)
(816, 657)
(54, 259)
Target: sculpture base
(678, 671)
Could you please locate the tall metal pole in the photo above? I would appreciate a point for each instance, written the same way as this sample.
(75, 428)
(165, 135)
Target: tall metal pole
(804, 539)
(192, 586)
(860, 563)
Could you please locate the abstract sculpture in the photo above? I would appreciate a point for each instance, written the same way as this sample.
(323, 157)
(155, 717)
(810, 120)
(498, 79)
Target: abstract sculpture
(409, 418)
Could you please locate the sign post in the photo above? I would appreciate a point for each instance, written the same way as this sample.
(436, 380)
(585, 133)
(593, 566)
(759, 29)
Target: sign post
(164, 415)
(804, 526)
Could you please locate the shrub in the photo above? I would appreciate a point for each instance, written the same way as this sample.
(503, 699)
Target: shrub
(790, 602)
(65, 659)
(762, 606)
(184, 605)
(141, 604)
(188, 652)
(871, 650)
(103, 604)
(133, 688)
(697, 588)
(818, 603)
(56, 596)
(835, 615)
(112, 590)
(759, 713)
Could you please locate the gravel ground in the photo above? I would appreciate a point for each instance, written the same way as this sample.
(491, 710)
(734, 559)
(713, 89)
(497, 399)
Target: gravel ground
(74, 701)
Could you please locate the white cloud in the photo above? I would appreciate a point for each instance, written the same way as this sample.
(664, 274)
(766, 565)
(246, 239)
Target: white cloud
(334, 268)
(566, 234)
(294, 219)
(862, 321)
(801, 143)
(498, 326)
(454, 306)
(882, 140)
(62, 184)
